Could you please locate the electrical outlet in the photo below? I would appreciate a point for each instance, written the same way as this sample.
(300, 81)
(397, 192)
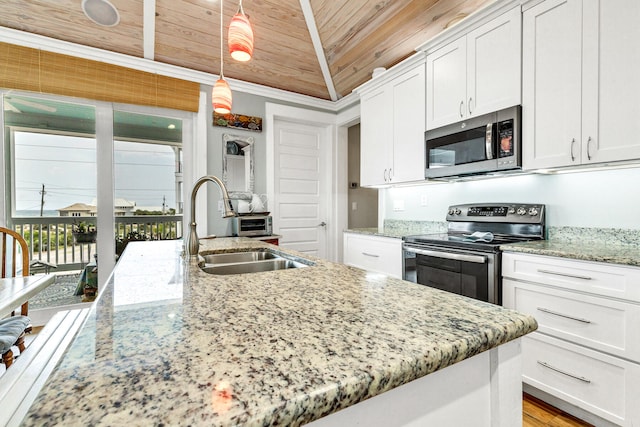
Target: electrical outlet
(398, 205)
(354, 206)
(423, 200)
(220, 206)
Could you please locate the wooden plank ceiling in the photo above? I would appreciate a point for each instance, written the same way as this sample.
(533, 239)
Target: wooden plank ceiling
(356, 35)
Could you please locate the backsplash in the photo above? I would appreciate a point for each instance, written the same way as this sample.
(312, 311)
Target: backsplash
(407, 227)
(602, 199)
(608, 236)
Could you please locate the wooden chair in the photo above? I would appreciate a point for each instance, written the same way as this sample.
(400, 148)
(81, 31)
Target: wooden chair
(13, 329)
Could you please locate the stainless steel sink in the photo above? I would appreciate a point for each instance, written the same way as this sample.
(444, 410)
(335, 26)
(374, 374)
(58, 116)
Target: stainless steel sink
(234, 257)
(252, 267)
(247, 262)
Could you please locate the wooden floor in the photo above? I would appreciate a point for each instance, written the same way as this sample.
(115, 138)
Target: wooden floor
(536, 413)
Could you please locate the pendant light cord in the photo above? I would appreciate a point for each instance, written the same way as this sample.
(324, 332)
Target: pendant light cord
(221, 39)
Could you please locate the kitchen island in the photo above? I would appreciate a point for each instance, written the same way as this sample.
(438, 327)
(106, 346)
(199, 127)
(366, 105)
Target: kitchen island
(167, 344)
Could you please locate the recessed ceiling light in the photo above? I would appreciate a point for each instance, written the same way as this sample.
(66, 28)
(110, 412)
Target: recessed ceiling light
(102, 12)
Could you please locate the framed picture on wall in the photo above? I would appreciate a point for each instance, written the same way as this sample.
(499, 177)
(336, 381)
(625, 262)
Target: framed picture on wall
(238, 121)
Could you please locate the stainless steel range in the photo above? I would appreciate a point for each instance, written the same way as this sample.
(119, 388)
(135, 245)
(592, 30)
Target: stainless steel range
(467, 259)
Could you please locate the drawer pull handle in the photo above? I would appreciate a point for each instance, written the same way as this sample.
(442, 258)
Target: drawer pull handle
(560, 371)
(371, 255)
(557, 273)
(555, 313)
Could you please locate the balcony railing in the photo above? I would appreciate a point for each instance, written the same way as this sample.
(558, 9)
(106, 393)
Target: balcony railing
(51, 239)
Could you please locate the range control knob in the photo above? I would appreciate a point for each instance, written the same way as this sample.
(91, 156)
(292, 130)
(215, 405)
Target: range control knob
(521, 211)
(511, 210)
(451, 211)
(458, 211)
(533, 211)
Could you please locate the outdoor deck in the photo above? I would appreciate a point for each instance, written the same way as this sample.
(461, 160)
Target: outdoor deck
(52, 239)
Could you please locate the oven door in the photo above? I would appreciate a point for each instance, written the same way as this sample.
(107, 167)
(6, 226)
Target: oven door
(468, 273)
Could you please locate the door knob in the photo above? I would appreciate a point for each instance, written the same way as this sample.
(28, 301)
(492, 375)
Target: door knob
(322, 224)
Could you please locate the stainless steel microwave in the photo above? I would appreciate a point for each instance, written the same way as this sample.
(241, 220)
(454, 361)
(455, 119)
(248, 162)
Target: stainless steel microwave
(252, 225)
(479, 145)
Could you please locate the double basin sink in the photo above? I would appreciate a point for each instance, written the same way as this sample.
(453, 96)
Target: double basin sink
(254, 261)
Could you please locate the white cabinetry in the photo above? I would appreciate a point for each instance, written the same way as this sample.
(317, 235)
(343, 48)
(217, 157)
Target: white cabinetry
(586, 351)
(374, 253)
(580, 86)
(392, 129)
(476, 74)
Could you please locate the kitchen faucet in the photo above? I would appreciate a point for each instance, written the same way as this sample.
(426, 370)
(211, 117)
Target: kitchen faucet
(192, 245)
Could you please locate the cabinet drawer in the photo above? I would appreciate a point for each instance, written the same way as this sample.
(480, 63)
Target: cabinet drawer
(601, 384)
(373, 253)
(598, 278)
(596, 322)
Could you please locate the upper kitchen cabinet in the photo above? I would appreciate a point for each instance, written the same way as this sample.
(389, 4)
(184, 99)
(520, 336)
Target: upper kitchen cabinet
(477, 73)
(392, 115)
(581, 64)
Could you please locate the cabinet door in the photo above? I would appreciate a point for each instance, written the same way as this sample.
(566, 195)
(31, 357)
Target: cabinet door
(374, 253)
(551, 88)
(375, 137)
(611, 87)
(598, 383)
(447, 84)
(493, 64)
(408, 126)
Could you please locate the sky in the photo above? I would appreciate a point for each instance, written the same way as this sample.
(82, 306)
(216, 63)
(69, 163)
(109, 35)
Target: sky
(66, 165)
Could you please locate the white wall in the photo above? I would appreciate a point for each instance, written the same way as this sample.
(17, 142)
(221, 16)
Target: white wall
(603, 199)
(243, 103)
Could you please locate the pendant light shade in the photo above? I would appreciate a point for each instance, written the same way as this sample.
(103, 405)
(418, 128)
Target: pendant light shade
(221, 97)
(240, 36)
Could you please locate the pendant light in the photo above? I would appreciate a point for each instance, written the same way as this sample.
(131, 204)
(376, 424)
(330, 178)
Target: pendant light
(221, 94)
(240, 36)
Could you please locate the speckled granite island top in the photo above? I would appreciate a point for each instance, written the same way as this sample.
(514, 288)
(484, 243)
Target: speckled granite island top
(167, 344)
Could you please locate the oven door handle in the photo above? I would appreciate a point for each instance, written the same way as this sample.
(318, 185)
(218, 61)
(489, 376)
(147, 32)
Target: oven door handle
(478, 259)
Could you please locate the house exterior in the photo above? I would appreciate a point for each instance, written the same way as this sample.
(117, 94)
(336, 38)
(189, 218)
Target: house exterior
(78, 210)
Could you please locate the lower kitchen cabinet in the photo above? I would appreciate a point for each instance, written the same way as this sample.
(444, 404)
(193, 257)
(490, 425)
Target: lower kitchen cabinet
(586, 351)
(374, 253)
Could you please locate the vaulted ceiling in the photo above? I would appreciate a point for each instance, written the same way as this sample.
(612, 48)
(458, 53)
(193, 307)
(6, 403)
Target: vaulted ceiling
(355, 36)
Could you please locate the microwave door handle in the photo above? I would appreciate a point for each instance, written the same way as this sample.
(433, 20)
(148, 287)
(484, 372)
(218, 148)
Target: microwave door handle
(489, 141)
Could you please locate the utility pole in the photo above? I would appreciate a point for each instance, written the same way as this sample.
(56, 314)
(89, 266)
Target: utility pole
(164, 205)
(42, 192)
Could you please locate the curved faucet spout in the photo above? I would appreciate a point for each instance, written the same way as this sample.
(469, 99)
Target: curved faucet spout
(192, 245)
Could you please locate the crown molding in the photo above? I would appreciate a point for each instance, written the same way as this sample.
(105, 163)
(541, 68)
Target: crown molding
(35, 41)
(471, 22)
(391, 73)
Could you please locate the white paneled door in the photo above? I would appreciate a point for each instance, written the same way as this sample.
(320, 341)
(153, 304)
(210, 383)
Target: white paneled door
(301, 177)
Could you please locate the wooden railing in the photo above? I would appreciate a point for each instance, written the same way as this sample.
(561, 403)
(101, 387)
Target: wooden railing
(51, 239)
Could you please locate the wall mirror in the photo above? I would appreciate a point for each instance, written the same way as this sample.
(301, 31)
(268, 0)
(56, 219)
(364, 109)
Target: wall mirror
(237, 165)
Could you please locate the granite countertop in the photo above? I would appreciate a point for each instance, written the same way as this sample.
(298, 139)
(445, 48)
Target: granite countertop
(624, 254)
(169, 344)
(610, 245)
(376, 231)
(401, 228)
